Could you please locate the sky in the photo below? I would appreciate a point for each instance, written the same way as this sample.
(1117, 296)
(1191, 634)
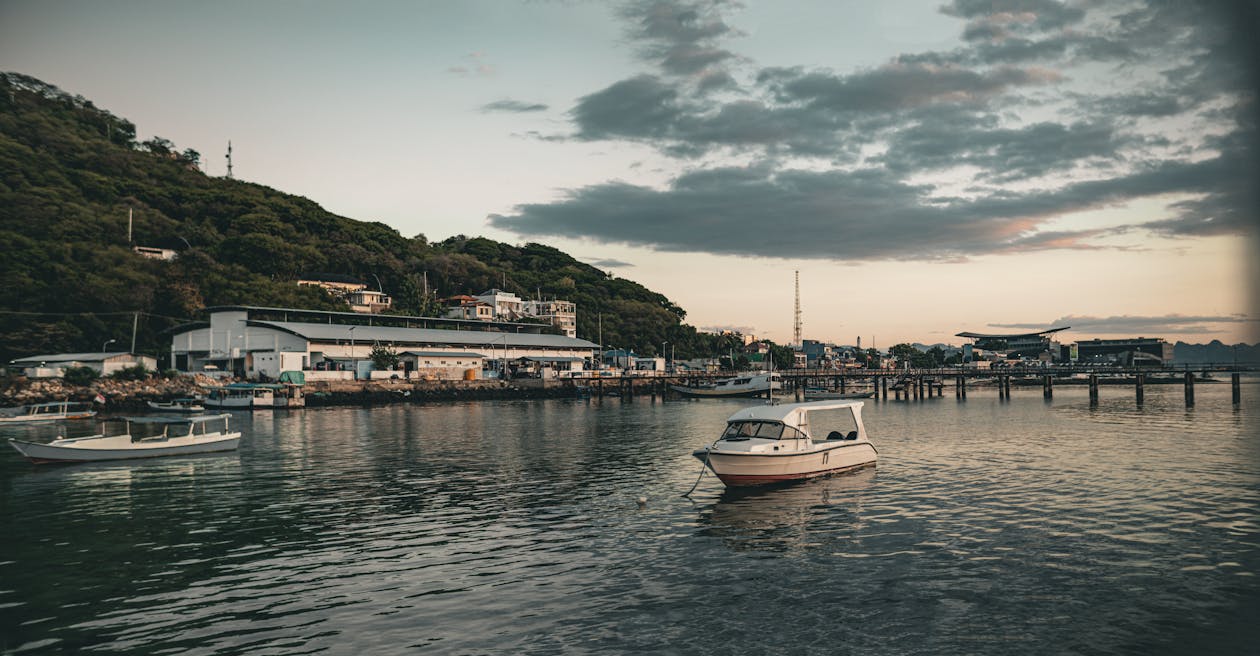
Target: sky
(927, 167)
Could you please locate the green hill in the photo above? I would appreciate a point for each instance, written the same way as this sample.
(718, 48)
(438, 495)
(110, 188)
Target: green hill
(69, 173)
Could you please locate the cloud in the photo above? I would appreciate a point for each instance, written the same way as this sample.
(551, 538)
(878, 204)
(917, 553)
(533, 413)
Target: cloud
(475, 65)
(1138, 325)
(609, 263)
(514, 106)
(680, 36)
(862, 214)
(1047, 109)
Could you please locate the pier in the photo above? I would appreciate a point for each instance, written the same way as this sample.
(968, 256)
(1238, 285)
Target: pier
(921, 384)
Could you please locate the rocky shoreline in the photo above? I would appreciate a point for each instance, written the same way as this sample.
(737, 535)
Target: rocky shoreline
(133, 396)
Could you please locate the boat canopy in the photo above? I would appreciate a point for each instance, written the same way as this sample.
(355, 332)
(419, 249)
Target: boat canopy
(796, 415)
(196, 419)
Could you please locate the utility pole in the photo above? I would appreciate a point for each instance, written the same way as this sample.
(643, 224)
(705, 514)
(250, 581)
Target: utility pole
(129, 212)
(135, 323)
(229, 160)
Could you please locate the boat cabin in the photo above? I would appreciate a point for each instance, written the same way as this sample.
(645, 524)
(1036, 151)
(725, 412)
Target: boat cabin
(791, 421)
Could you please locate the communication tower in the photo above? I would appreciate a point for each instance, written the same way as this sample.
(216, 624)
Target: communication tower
(796, 326)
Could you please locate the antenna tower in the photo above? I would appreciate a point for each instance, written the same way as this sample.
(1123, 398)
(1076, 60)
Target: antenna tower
(796, 326)
(229, 160)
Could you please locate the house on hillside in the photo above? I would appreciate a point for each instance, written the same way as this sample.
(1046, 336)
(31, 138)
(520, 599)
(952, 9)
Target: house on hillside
(351, 290)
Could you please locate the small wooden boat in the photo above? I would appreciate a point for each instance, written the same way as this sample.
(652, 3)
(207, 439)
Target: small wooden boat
(256, 396)
(773, 443)
(54, 411)
(179, 436)
(190, 405)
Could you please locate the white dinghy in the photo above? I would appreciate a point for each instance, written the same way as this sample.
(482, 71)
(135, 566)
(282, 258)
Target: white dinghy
(774, 443)
(180, 436)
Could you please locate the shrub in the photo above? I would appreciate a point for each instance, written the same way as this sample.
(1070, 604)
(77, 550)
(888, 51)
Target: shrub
(80, 375)
(137, 372)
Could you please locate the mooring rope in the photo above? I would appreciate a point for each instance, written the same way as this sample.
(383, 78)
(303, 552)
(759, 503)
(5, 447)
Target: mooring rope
(703, 467)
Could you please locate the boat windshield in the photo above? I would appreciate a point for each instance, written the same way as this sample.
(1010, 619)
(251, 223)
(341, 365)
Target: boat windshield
(769, 430)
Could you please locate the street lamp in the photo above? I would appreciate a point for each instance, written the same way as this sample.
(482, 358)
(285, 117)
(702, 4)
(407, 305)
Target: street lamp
(106, 345)
(354, 364)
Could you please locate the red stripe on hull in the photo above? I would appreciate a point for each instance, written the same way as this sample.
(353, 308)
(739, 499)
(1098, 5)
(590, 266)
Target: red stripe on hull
(742, 480)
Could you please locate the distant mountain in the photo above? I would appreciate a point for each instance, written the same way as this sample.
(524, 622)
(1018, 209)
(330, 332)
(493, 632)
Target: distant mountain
(69, 281)
(1215, 352)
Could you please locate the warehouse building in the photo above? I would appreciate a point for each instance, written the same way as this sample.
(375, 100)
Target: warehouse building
(257, 341)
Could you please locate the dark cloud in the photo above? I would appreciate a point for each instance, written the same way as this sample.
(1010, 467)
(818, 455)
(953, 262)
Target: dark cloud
(609, 263)
(680, 36)
(514, 106)
(896, 86)
(863, 214)
(1131, 325)
(1049, 108)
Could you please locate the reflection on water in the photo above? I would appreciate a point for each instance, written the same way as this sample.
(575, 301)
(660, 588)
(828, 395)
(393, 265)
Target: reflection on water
(512, 527)
(790, 516)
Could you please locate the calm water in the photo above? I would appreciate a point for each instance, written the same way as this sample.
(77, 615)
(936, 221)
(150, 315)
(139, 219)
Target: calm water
(512, 527)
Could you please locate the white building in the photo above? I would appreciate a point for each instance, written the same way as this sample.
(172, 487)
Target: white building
(54, 365)
(507, 306)
(561, 314)
(253, 341)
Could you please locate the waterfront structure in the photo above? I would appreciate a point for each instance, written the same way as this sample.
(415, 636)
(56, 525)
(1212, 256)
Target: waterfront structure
(54, 365)
(1011, 345)
(1127, 351)
(257, 341)
(155, 253)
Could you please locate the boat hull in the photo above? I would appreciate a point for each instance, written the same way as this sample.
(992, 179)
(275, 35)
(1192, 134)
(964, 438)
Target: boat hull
(700, 392)
(27, 419)
(741, 468)
(115, 450)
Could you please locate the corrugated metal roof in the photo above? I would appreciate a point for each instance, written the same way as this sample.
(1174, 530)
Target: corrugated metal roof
(441, 354)
(68, 357)
(430, 336)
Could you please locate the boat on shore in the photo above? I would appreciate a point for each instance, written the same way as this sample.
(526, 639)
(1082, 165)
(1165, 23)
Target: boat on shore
(55, 411)
(774, 443)
(759, 384)
(179, 436)
(189, 405)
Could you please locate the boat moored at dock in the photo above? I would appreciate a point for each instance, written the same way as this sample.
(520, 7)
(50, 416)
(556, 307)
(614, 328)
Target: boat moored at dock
(774, 443)
(757, 384)
(256, 396)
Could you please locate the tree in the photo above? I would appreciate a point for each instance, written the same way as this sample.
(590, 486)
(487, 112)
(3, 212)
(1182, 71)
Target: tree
(383, 357)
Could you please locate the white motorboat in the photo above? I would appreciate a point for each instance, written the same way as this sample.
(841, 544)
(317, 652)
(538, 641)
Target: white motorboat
(758, 384)
(179, 436)
(190, 405)
(54, 411)
(775, 443)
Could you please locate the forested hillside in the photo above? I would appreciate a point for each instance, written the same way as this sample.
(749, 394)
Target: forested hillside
(69, 281)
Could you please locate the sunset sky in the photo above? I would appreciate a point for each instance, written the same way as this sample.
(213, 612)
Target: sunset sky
(928, 167)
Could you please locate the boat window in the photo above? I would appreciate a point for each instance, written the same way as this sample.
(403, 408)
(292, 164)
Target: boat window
(764, 429)
(769, 430)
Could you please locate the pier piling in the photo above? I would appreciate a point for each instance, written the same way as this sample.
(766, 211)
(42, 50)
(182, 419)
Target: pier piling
(1235, 388)
(1189, 390)
(1047, 387)
(1141, 388)
(1093, 389)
